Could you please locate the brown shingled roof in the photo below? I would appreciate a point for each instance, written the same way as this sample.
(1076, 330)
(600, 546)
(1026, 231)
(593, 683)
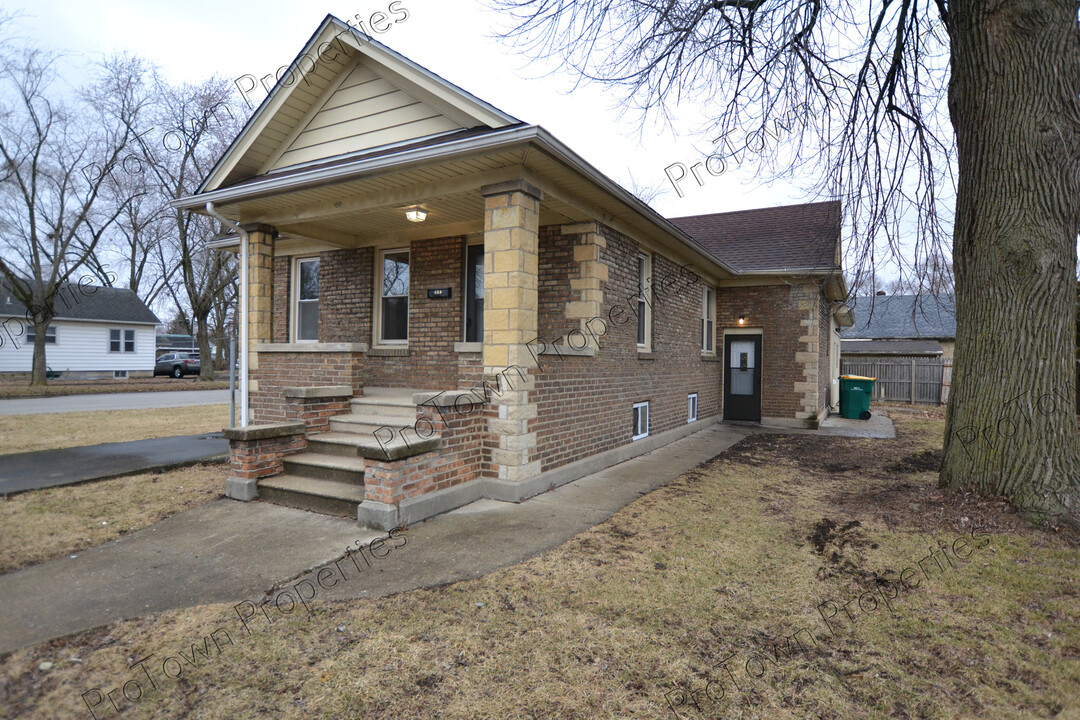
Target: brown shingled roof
(789, 237)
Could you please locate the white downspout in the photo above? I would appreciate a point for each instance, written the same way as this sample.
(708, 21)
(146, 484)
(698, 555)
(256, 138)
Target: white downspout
(243, 309)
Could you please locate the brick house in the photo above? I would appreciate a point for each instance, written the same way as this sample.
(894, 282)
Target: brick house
(444, 303)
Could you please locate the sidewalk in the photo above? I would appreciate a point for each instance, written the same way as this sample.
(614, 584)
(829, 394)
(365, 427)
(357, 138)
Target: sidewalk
(20, 472)
(230, 551)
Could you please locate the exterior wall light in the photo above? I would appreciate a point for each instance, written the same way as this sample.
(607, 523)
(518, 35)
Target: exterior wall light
(742, 320)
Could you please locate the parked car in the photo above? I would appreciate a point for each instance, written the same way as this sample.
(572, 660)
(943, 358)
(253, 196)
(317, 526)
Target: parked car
(178, 364)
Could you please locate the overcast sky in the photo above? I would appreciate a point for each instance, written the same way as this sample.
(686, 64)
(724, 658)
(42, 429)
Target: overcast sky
(452, 38)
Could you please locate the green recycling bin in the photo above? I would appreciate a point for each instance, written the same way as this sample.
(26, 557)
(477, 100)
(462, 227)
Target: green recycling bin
(855, 392)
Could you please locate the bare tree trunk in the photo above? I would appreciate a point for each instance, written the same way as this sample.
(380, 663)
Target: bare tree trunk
(203, 334)
(38, 366)
(1014, 98)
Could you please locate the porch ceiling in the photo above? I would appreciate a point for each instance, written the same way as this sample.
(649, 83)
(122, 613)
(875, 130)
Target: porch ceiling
(353, 203)
(371, 210)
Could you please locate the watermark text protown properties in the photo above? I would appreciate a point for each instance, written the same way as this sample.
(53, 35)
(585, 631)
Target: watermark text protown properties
(758, 661)
(466, 404)
(378, 22)
(132, 691)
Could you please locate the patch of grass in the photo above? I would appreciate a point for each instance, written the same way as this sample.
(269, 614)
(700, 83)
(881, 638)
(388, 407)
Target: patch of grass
(719, 563)
(22, 388)
(50, 431)
(42, 525)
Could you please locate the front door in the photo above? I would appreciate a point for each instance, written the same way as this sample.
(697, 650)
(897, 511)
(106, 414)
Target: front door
(742, 378)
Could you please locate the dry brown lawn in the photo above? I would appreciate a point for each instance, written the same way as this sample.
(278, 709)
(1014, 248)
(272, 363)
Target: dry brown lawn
(680, 605)
(45, 524)
(26, 433)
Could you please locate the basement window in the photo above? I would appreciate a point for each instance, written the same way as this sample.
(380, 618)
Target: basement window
(691, 407)
(641, 420)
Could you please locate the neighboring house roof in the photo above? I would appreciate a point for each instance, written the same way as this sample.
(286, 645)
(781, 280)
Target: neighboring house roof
(791, 237)
(883, 317)
(87, 302)
(891, 347)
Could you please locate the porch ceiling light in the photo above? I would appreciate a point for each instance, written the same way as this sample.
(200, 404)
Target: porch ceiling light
(415, 214)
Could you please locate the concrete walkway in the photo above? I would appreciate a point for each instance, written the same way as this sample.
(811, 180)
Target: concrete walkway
(229, 551)
(20, 472)
(113, 401)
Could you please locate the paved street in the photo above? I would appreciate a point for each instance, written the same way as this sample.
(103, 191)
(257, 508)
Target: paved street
(113, 401)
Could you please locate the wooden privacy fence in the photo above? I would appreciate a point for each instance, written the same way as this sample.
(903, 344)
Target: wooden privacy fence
(911, 380)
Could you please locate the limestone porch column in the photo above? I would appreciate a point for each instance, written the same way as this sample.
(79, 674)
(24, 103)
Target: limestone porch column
(260, 292)
(511, 269)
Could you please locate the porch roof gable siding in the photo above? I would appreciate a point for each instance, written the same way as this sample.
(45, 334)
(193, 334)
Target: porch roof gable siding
(340, 78)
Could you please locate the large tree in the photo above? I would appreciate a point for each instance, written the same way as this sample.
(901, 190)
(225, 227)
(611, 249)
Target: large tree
(52, 211)
(194, 124)
(853, 93)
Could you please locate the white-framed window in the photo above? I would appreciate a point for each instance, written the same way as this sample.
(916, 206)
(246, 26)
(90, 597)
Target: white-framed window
(394, 297)
(691, 407)
(708, 320)
(120, 374)
(121, 341)
(644, 311)
(50, 335)
(641, 420)
(306, 300)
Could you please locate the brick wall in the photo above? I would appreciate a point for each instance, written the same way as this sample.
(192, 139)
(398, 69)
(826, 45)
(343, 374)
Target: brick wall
(774, 309)
(585, 404)
(345, 278)
(434, 324)
(257, 459)
(277, 371)
(315, 413)
(462, 458)
(557, 267)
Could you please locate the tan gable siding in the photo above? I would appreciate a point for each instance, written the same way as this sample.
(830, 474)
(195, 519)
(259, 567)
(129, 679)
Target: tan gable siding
(364, 112)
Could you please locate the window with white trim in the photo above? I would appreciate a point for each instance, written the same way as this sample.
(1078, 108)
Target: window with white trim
(306, 299)
(50, 335)
(691, 407)
(121, 340)
(708, 320)
(394, 297)
(644, 312)
(641, 420)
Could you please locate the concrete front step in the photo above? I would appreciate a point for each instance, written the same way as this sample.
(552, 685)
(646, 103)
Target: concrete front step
(396, 402)
(375, 420)
(326, 467)
(329, 497)
(350, 444)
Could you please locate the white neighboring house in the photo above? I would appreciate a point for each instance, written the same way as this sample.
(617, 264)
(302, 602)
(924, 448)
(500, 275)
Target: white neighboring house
(97, 332)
